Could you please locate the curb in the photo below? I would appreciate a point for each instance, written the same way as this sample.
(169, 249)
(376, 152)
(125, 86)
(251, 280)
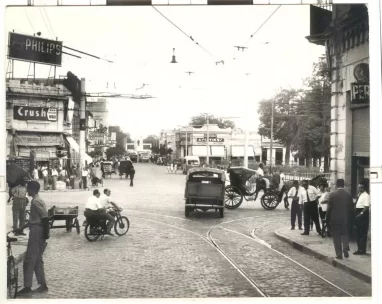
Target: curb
(322, 257)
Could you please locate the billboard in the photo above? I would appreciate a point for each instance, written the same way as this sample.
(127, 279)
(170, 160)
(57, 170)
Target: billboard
(34, 113)
(34, 49)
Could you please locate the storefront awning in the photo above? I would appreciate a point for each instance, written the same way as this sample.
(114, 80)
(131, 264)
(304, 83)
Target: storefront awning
(238, 151)
(73, 144)
(217, 151)
(199, 151)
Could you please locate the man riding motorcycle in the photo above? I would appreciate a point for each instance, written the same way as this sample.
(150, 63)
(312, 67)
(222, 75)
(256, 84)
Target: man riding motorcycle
(95, 210)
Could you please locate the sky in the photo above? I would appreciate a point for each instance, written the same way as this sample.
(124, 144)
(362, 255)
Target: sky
(140, 43)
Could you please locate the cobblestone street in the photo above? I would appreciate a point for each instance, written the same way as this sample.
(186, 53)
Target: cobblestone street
(165, 255)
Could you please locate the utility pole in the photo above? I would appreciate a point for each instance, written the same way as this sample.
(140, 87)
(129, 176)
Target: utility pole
(186, 154)
(208, 142)
(246, 140)
(271, 150)
(82, 123)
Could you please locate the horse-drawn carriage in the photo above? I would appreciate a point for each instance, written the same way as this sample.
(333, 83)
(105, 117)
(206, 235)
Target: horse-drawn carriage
(244, 184)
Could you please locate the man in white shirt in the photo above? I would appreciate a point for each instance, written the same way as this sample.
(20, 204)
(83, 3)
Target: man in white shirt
(45, 173)
(94, 210)
(85, 173)
(296, 197)
(362, 218)
(54, 177)
(309, 198)
(260, 170)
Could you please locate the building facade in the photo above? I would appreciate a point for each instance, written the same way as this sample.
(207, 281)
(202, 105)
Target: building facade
(36, 115)
(346, 41)
(97, 135)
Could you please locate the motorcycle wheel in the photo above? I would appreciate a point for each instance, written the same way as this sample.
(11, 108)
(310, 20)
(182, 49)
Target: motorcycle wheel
(90, 235)
(121, 226)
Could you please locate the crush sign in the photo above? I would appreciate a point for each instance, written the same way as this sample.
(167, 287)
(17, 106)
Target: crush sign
(34, 113)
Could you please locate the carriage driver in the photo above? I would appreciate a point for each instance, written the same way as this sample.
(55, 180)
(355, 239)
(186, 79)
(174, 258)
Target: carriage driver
(260, 182)
(94, 210)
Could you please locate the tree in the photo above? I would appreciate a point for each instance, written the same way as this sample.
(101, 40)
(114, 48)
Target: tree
(201, 120)
(128, 138)
(301, 118)
(115, 151)
(94, 154)
(285, 122)
(162, 150)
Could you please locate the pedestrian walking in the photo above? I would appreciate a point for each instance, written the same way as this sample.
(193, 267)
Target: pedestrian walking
(362, 218)
(130, 171)
(54, 178)
(340, 204)
(35, 174)
(45, 175)
(309, 197)
(85, 173)
(295, 195)
(38, 234)
(19, 194)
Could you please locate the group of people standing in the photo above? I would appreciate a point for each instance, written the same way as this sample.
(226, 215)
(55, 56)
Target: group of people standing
(336, 209)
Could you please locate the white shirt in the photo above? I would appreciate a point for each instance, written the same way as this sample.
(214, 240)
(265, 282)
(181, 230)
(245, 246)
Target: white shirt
(85, 173)
(44, 171)
(105, 200)
(292, 192)
(324, 197)
(260, 172)
(312, 192)
(35, 174)
(363, 200)
(54, 172)
(93, 203)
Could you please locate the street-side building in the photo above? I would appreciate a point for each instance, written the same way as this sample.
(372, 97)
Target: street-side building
(35, 119)
(97, 125)
(346, 40)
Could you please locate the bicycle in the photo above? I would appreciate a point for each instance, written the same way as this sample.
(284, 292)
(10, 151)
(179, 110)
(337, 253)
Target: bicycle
(12, 270)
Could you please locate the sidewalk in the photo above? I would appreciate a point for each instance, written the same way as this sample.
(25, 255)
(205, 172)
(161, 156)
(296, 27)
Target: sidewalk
(323, 249)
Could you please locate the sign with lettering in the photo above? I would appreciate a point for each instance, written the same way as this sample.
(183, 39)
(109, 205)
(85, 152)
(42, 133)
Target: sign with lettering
(95, 136)
(34, 113)
(220, 140)
(360, 93)
(34, 49)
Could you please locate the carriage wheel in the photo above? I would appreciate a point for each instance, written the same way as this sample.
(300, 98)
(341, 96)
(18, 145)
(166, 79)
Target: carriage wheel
(233, 197)
(77, 223)
(269, 201)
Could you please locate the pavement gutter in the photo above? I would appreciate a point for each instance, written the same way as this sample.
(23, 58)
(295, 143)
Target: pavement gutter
(305, 249)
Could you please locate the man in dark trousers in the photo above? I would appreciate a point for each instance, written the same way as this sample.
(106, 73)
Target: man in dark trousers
(362, 218)
(38, 234)
(296, 209)
(19, 194)
(309, 197)
(340, 206)
(130, 171)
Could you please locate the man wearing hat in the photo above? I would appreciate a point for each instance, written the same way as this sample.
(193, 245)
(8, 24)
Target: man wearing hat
(38, 234)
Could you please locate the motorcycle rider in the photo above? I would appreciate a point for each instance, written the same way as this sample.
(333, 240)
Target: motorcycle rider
(94, 210)
(106, 202)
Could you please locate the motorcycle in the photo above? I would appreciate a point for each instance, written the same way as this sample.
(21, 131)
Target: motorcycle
(97, 228)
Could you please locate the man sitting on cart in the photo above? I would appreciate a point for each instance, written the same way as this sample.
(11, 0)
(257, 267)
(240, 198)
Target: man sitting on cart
(94, 210)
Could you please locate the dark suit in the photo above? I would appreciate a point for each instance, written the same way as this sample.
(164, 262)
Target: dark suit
(340, 206)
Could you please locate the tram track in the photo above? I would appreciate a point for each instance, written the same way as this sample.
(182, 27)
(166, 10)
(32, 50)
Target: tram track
(208, 238)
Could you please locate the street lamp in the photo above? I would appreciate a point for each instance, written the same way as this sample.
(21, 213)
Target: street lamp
(173, 56)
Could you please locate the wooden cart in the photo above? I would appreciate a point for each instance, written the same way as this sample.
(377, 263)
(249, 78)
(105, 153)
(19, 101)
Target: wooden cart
(68, 214)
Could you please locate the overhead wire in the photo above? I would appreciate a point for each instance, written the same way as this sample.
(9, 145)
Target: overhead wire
(46, 25)
(29, 21)
(183, 32)
(49, 22)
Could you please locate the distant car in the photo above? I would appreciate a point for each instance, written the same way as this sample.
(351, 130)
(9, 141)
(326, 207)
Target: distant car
(145, 158)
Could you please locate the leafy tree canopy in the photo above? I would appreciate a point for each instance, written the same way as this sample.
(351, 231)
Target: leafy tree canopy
(201, 120)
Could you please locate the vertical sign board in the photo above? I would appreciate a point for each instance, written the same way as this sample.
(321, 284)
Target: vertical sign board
(34, 49)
